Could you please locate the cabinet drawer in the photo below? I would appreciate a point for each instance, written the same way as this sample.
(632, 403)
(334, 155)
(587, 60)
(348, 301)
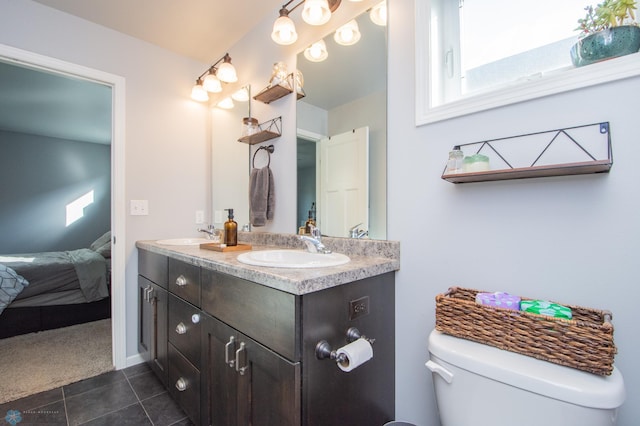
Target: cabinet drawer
(184, 384)
(184, 328)
(184, 281)
(265, 314)
(153, 266)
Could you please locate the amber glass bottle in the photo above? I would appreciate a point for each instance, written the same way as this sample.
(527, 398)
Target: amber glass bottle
(230, 230)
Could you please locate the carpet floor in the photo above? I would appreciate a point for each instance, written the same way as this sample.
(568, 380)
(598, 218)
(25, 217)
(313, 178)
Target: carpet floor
(42, 361)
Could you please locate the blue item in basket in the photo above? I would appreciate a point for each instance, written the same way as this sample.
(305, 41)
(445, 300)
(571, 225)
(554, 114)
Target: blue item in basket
(499, 300)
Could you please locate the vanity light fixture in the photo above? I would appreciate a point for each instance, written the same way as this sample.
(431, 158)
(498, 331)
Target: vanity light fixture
(315, 12)
(226, 103)
(378, 13)
(241, 95)
(317, 52)
(225, 72)
(198, 92)
(348, 34)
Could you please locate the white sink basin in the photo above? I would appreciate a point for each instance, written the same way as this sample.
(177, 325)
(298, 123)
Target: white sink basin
(292, 259)
(183, 241)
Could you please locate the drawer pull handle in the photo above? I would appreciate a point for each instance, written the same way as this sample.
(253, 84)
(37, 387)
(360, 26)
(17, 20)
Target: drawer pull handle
(195, 318)
(181, 328)
(181, 281)
(231, 344)
(181, 384)
(242, 351)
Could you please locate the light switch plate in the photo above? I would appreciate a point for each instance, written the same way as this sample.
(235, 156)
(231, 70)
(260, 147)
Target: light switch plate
(139, 207)
(199, 216)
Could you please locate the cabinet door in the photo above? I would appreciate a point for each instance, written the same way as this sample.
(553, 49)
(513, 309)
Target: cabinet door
(152, 326)
(268, 386)
(243, 382)
(218, 376)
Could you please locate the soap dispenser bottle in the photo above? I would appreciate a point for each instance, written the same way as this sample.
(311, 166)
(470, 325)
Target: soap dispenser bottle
(230, 230)
(310, 222)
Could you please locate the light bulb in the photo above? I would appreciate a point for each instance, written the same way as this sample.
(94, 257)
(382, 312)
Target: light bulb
(226, 103)
(378, 14)
(316, 12)
(226, 71)
(284, 30)
(198, 93)
(317, 52)
(347, 34)
(212, 84)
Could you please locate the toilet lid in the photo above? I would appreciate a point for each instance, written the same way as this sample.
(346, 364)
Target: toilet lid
(531, 374)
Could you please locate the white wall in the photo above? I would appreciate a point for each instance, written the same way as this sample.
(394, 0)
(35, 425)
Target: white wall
(569, 239)
(167, 144)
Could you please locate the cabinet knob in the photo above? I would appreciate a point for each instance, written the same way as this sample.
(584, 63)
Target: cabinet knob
(181, 281)
(181, 328)
(181, 384)
(195, 318)
(229, 348)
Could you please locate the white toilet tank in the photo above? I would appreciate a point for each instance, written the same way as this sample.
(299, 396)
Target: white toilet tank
(479, 385)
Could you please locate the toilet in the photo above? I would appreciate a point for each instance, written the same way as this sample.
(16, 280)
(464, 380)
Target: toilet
(479, 385)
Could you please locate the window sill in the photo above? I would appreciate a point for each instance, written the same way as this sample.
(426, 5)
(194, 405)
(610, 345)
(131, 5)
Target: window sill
(551, 84)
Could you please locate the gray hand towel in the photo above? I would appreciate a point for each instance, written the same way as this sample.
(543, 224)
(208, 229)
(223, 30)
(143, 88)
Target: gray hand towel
(261, 196)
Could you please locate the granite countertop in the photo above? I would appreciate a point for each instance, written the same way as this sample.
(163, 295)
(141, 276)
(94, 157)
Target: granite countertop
(368, 258)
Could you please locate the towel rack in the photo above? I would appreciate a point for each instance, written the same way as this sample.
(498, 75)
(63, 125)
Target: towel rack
(268, 148)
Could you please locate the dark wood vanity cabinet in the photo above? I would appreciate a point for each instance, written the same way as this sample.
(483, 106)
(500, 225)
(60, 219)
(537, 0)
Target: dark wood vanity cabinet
(152, 310)
(242, 353)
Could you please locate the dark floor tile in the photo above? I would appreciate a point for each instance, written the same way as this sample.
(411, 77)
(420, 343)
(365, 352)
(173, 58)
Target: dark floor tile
(146, 385)
(183, 422)
(52, 414)
(163, 410)
(105, 379)
(136, 369)
(32, 401)
(99, 401)
(132, 415)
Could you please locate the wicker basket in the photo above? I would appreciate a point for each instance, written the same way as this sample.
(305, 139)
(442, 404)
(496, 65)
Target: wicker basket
(585, 342)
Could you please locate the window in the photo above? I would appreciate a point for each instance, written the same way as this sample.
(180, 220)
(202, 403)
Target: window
(479, 54)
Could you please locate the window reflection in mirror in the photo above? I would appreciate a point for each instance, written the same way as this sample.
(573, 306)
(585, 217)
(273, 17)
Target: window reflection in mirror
(346, 91)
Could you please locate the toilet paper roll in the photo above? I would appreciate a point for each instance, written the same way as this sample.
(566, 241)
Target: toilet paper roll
(356, 353)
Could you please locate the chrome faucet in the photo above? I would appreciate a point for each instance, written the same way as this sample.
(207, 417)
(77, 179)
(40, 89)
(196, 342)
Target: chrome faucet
(314, 242)
(356, 232)
(210, 231)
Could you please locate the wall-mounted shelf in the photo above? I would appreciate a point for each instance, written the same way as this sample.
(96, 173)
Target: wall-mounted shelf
(570, 151)
(277, 91)
(268, 130)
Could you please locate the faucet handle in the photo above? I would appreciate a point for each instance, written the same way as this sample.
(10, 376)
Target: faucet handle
(315, 232)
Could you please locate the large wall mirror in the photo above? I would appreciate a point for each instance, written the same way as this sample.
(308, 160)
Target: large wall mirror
(346, 96)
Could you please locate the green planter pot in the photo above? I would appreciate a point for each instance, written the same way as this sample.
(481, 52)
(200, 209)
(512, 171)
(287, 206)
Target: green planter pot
(606, 44)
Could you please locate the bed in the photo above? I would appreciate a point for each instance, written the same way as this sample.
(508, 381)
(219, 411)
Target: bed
(43, 291)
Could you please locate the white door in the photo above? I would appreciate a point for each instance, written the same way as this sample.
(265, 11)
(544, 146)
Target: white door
(342, 176)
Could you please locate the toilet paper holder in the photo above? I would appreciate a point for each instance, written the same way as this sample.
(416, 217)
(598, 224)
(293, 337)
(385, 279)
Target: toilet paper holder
(324, 351)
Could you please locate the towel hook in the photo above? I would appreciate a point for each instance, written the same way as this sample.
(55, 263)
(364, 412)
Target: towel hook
(269, 149)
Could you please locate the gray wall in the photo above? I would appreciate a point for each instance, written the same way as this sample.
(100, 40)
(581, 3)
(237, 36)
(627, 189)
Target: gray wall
(40, 176)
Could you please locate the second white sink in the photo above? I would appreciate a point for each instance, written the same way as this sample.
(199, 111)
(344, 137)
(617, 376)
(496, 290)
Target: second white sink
(292, 259)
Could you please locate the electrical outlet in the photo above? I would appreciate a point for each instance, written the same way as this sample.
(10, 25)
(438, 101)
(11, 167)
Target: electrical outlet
(358, 307)
(199, 216)
(139, 207)
(218, 216)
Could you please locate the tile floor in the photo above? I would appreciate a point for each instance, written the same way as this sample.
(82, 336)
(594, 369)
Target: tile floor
(133, 396)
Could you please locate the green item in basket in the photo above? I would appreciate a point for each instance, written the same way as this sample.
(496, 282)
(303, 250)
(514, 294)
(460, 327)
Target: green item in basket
(543, 307)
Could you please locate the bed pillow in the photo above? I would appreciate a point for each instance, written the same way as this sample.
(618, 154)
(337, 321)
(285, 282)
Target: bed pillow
(103, 245)
(11, 284)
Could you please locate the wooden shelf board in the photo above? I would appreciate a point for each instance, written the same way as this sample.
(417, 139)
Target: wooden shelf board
(273, 93)
(259, 137)
(598, 166)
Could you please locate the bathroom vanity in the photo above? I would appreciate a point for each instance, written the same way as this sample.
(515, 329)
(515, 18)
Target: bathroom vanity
(235, 344)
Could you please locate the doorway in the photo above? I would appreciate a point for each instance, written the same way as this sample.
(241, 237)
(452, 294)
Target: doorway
(51, 65)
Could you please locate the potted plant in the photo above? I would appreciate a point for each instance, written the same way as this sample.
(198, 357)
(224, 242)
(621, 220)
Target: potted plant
(607, 31)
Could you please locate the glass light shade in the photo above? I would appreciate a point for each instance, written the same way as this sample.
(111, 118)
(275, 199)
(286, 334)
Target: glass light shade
(241, 95)
(227, 73)
(347, 34)
(212, 84)
(198, 93)
(226, 103)
(317, 52)
(378, 14)
(284, 31)
(316, 12)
